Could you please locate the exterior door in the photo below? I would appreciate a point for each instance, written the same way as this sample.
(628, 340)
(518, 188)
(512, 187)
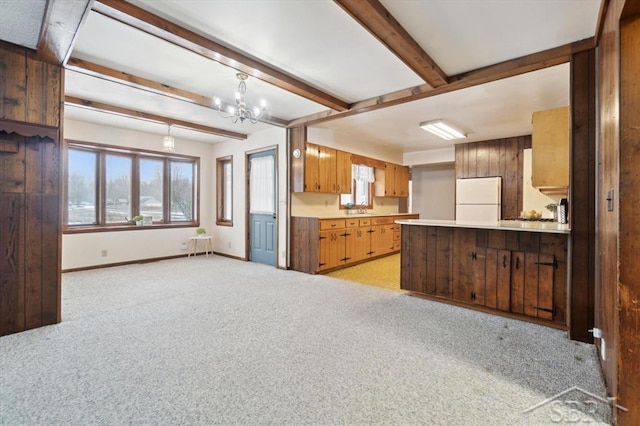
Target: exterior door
(262, 207)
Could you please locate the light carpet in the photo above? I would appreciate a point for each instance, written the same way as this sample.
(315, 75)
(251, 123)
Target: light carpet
(219, 341)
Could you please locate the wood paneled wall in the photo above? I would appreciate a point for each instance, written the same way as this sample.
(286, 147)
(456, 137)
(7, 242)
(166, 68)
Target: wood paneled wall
(617, 287)
(500, 157)
(32, 92)
(629, 226)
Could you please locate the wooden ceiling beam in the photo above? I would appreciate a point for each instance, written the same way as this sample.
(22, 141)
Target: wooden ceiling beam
(376, 19)
(121, 77)
(506, 69)
(143, 20)
(100, 106)
(62, 20)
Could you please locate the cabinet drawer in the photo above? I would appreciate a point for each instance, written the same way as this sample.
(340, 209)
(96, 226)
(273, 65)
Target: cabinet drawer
(365, 222)
(331, 224)
(396, 235)
(382, 220)
(352, 223)
(396, 245)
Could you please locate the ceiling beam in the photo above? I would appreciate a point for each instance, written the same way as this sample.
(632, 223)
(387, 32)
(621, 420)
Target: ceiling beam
(376, 19)
(62, 20)
(506, 69)
(99, 106)
(143, 20)
(121, 77)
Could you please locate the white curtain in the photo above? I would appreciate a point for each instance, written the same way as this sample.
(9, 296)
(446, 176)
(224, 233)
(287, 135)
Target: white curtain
(363, 173)
(262, 182)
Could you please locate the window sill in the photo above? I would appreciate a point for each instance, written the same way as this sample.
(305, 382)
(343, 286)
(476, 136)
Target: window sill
(84, 229)
(224, 223)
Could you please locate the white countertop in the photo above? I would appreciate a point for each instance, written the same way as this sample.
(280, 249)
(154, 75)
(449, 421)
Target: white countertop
(357, 215)
(504, 225)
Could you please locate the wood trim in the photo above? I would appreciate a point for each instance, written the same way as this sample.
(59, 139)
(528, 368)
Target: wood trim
(143, 20)
(141, 83)
(26, 129)
(506, 69)
(376, 19)
(100, 106)
(61, 23)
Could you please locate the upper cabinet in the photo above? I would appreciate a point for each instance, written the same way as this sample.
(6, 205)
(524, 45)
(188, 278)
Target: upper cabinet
(550, 150)
(316, 168)
(392, 181)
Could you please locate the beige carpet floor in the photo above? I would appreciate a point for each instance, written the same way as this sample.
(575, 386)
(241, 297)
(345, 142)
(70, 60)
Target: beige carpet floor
(384, 272)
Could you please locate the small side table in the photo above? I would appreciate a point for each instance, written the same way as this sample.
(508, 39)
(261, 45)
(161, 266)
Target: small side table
(193, 244)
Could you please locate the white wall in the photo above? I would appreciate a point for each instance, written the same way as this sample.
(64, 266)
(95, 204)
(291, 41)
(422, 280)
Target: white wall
(230, 240)
(84, 250)
(434, 191)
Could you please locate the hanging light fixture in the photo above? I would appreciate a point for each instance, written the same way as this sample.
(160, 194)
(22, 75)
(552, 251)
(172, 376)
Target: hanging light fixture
(241, 111)
(168, 143)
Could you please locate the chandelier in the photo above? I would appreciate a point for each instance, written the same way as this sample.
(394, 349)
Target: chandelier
(168, 143)
(241, 111)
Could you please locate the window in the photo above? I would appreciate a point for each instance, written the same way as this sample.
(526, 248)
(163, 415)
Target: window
(224, 191)
(107, 186)
(361, 182)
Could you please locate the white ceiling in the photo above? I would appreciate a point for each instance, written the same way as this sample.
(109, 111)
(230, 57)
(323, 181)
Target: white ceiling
(20, 21)
(317, 42)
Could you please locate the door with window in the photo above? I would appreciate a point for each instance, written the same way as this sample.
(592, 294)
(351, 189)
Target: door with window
(262, 207)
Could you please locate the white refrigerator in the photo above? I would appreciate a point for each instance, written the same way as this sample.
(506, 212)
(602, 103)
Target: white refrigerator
(478, 199)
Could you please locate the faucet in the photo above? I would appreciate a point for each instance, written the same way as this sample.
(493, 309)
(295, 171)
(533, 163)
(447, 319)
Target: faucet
(362, 209)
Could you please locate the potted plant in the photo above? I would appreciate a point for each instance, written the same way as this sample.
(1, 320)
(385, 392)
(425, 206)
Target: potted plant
(201, 231)
(137, 219)
(553, 208)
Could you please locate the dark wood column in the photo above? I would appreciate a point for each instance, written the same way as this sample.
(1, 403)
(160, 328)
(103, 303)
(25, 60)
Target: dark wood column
(582, 198)
(30, 114)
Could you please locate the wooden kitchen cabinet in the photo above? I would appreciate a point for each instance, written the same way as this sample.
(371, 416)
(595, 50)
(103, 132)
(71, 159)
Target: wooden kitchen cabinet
(319, 169)
(343, 172)
(393, 181)
(319, 245)
(550, 150)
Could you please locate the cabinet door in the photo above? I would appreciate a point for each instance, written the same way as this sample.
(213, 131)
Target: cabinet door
(492, 278)
(390, 180)
(349, 241)
(343, 172)
(517, 282)
(550, 150)
(503, 280)
(311, 168)
(402, 181)
(327, 170)
(381, 240)
(331, 251)
(361, 244)
(481, 269)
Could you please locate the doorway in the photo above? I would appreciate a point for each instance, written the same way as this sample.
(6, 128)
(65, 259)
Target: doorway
(262, 190)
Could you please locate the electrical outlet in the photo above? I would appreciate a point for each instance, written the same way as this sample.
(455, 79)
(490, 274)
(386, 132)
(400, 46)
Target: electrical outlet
(183, 246)
(104, 253)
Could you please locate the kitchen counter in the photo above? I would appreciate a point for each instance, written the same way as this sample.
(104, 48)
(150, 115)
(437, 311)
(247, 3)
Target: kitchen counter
(359, 215)
(504, 225)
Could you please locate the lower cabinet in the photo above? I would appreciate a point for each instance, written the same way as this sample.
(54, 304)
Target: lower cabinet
(319, 245)
(523, 273)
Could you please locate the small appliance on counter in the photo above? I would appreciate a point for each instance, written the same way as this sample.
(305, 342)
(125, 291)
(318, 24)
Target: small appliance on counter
(563, 211)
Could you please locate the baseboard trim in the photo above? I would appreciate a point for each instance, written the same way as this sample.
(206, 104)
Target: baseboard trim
(129, 262)
(230, 256)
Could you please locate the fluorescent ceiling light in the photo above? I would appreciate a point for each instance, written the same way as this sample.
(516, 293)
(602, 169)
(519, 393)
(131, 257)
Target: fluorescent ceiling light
(440, 128)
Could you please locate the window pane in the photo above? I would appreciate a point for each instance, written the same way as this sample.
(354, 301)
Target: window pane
(81, 187)
(118, 188)
(151, 185)
(227, 190)
(181, 191)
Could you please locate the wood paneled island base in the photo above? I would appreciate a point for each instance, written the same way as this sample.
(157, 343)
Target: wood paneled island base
(516, 273)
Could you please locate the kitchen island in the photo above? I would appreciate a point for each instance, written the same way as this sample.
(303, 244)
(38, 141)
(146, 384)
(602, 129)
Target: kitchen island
(512, 268)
